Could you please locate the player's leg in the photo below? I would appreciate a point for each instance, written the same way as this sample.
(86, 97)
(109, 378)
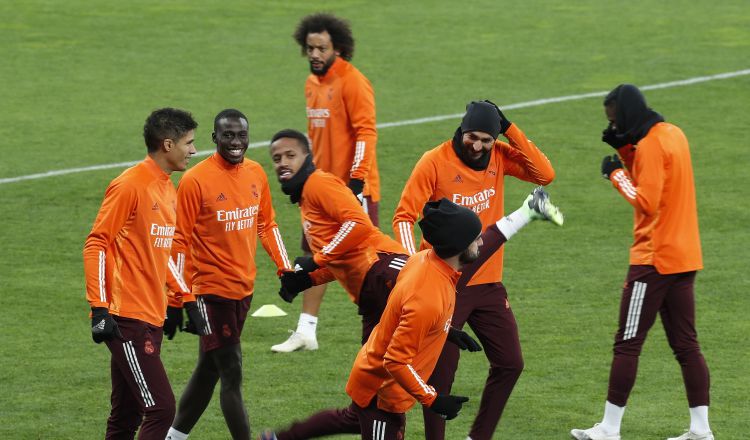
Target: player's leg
(678, 318)
(138, 359)
(196, 397)
(495, 326)
(447, 364)
(127, 411)
(377, 424)
(376, 287)
(323, 423)
(641, 300)
(228, 361)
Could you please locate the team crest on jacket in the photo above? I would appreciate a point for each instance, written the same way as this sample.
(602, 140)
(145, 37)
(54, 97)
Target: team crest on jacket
(254, 190)
(226, 331)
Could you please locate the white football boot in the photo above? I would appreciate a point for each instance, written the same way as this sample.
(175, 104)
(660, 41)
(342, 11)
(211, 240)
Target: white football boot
(593, 433)
(690, 435)
(296, 341)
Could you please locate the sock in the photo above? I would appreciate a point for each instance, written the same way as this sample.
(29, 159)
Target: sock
(612, 418)
(174, 434)
(307, 325)
(699, 420)
(513, 222)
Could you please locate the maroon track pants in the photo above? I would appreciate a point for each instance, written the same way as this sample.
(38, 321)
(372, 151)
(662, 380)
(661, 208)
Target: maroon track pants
(141, 393)
(645, 294)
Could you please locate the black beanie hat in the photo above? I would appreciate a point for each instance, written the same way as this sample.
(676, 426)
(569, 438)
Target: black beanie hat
(448, 227)
(481, 116)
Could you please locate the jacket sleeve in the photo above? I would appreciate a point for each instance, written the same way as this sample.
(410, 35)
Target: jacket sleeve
(321, 276)
(119, 204)
(648, 164)
(188, 208)
(524, 160)
(413, 326)
(418, 190)
(268, 230)
(338, 203)
(359, 100)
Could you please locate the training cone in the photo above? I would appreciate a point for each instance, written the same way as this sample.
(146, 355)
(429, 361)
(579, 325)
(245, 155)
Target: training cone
(268, 311)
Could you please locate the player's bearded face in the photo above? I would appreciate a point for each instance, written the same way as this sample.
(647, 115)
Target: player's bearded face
(476, 144)
(231, 139)
(288, 157)
(320, 52)
(471, 254)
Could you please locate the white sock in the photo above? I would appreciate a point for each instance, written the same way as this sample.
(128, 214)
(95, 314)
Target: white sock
(513, 222)
(699, 420)
(174, 434)
(307, 325)
(612, 418)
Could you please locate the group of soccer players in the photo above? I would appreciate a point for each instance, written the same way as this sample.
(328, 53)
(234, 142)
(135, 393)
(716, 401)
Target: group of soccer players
(156, 251)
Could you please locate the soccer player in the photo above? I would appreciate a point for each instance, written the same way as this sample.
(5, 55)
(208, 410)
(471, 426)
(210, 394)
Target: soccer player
(346, 246)
(389, 373)
(223, 206)
(125, 261)
(340, 106)
(657, 180)
(469, 170)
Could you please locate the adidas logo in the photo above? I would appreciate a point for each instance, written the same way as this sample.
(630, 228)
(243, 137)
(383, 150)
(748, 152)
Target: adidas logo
(100, 326)
(221, 197)
(155, 207)
(458, 179)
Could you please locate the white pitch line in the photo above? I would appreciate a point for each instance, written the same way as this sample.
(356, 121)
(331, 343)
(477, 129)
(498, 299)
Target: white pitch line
(538, 102)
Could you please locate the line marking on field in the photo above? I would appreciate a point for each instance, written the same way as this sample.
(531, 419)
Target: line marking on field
(537, 102)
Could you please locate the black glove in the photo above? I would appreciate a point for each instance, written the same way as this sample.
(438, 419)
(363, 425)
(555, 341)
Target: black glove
(610, 136)
(463, 340)
(357, 186)
(306, 263)
(504, 122)
(173, 321)
(292, 283)
(195, 323)
(610, 164)
(448, 406)
(103, 327)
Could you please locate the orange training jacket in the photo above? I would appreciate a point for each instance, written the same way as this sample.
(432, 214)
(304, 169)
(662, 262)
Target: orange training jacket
(341, 236)
(341, 125)
(222, 208)
(126, 254)
(661, 188)
(401, 353)
(441, 173)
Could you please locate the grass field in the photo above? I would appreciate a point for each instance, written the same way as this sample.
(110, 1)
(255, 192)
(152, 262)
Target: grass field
(78, 79)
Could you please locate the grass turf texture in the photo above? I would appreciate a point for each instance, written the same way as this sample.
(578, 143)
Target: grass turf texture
(79, 78)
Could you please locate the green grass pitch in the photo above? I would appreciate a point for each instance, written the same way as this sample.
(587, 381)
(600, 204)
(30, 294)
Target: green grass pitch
(78, 78)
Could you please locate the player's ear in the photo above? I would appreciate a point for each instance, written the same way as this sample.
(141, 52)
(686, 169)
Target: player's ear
(167, 145)
(213, 137)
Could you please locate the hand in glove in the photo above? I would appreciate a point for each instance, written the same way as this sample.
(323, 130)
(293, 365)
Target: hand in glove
(463, 340)
(195, 323)
(103, 327)
(292, 283)
(173, 321)
(448, 406)
(610, 164)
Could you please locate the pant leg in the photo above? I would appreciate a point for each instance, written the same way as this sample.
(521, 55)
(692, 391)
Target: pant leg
(447, 364)
(377, 424)
(137, 357)
(323, 423)
(495, 325)
(678, 318)
(641, 300)
(126, 414)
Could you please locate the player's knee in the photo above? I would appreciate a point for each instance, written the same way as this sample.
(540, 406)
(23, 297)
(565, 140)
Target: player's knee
(508, 367)
(231, 376)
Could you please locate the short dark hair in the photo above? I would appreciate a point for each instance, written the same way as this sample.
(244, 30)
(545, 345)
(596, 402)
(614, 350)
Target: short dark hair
(229, 113)
(341, 33)
(166, 123)
(294, 134)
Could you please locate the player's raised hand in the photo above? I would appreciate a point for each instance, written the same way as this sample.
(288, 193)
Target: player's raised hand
(504, 122)
(610, 164)
(610, 137)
